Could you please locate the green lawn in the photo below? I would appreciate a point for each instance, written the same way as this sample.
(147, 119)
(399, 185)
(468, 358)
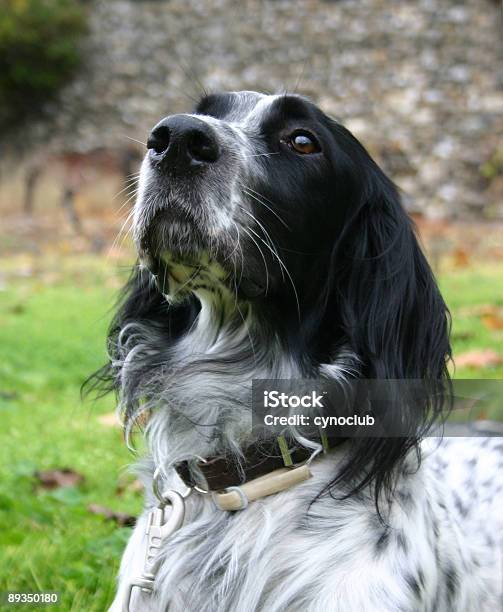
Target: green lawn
(53, 327)
(465, 292)
(52, 337)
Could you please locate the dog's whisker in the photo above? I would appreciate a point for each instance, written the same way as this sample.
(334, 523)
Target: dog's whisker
(237, 247)
(133, 175)
(117, 238)
(247, 232)
(281, 263)
(255, 197)
(129, 191)
(123, 233)
(131, 197)
(260, 224)
(127, 185)
(134, 140)
(266, 233)
(186, 283)
(261, 154)
(128, 214)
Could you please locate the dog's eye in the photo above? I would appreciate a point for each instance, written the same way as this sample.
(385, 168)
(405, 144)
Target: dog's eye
(303, 143)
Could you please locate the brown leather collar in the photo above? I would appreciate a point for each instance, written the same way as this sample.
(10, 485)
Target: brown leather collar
(220, 472)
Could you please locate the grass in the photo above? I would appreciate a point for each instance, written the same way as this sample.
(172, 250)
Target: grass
(53, 318)
(466, 291)
(52, 338)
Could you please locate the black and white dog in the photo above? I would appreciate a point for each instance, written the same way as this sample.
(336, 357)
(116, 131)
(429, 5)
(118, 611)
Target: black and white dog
(272, 246)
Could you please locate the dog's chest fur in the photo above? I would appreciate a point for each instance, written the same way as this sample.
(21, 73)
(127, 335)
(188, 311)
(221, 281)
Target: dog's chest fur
(438, 551)
(199, 389)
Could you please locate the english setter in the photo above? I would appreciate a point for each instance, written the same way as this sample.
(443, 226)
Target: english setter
(271, 246)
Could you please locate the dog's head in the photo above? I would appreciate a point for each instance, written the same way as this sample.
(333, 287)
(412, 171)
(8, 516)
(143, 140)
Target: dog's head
(249, 190)
(268, 197)
(266, 200)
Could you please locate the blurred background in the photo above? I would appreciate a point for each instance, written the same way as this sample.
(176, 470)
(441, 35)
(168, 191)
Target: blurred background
(81, 83)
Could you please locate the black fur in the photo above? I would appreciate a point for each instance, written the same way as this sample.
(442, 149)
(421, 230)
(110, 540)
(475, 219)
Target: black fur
(361, 280)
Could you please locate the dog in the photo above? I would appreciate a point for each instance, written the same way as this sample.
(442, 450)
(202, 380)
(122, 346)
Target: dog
(272, 246)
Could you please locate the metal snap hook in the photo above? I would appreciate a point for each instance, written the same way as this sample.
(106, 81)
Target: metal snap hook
(156, 479)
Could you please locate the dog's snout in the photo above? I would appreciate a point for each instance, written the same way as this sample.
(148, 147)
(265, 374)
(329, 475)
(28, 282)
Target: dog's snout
(183, 141)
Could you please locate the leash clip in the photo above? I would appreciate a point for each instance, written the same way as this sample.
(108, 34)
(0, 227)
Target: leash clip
(159, 528)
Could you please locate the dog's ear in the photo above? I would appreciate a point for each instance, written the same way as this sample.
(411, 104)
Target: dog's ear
(379, 280)
(387, 309)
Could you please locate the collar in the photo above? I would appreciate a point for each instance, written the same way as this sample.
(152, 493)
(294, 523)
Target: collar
(265, 467)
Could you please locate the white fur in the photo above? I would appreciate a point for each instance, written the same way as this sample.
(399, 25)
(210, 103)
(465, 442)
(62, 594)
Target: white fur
(280, 554)
(285, 553)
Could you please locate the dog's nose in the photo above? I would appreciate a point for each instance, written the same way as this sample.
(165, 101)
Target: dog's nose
(183, 141)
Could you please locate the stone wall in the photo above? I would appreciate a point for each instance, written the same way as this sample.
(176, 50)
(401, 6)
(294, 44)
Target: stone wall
(419, 82)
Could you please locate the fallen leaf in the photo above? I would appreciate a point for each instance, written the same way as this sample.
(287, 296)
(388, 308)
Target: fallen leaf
(121, 518)
(460, 257)
(53, 479)
(17, 309)
(482, 358)
(8, 395)
(492, 321)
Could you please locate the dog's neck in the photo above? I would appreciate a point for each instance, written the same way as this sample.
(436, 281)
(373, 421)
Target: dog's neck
(203, 399)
